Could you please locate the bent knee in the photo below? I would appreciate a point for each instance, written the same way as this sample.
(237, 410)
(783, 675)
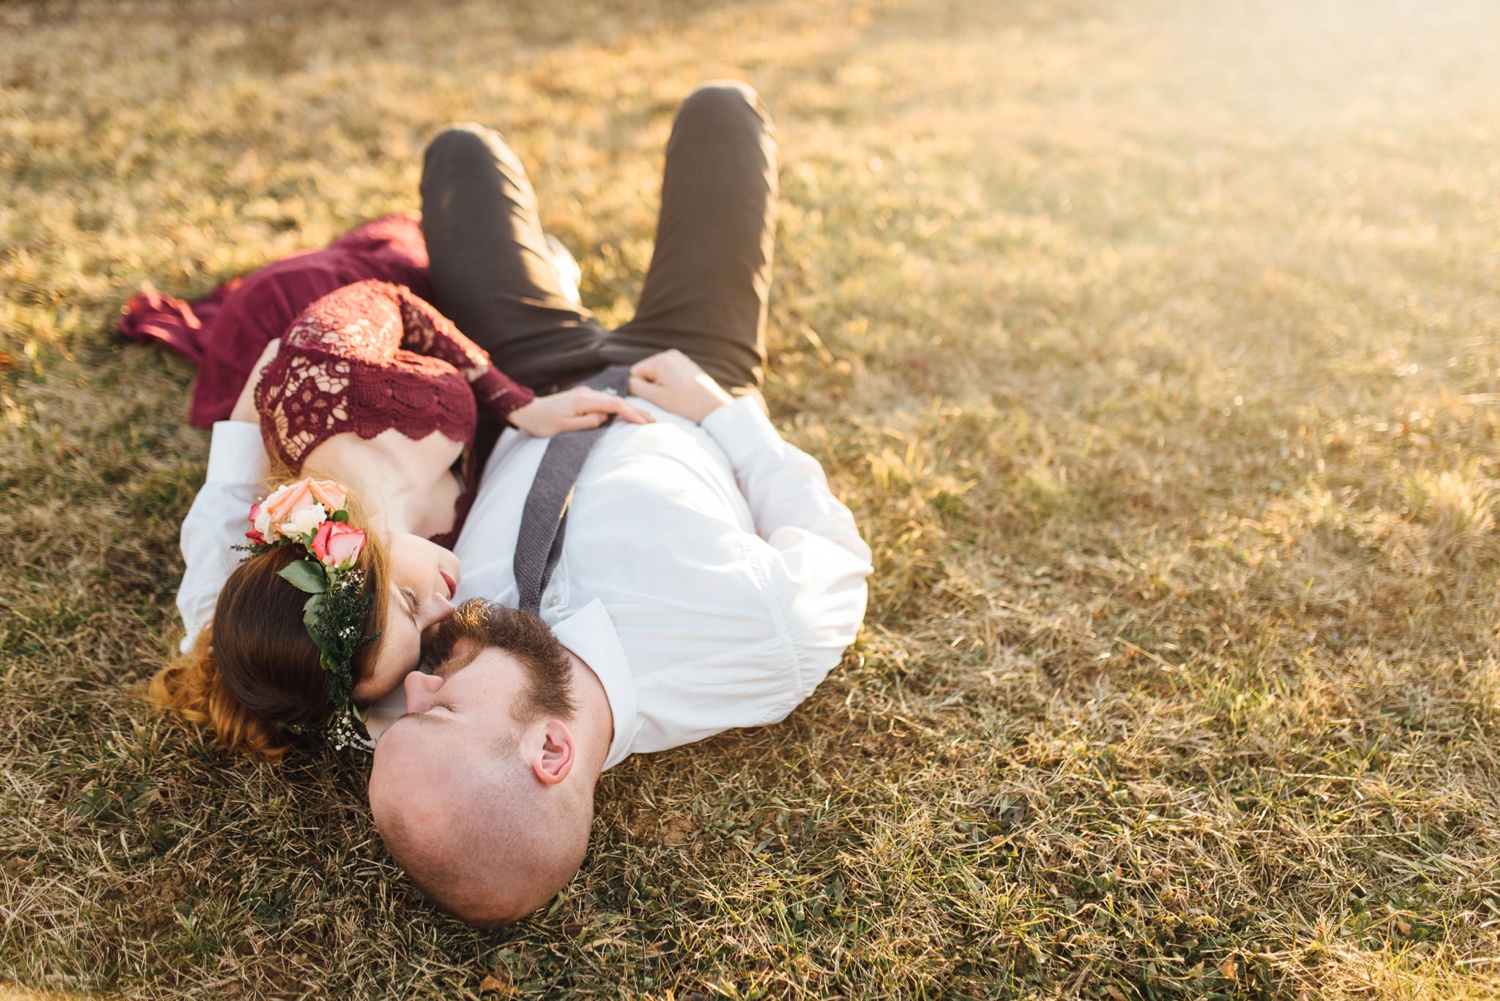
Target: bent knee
(724, 100)
(467, 142)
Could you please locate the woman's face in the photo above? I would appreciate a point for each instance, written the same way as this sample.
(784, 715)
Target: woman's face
(424, 576)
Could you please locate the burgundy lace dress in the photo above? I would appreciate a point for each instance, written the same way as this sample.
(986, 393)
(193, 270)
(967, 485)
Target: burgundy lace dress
(372, 357)
(224, 333)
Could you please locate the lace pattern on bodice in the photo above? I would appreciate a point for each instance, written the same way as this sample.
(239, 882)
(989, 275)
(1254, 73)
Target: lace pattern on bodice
(365, 359)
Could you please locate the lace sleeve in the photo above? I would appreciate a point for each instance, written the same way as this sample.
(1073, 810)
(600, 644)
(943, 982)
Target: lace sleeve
(304, 392)
(428, 332)
(347, 364)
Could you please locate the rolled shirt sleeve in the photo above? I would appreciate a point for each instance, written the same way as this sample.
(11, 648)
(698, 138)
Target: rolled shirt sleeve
(237, 470)
(812, 553)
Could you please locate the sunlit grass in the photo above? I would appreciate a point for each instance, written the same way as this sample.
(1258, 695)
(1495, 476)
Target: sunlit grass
(1154, 345)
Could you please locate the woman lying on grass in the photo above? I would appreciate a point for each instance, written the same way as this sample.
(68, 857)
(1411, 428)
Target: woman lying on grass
(371, 396)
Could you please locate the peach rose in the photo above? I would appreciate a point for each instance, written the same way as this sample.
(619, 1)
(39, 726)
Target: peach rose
(284, 502)
(338, 544)
(331, 495)
(297, 509)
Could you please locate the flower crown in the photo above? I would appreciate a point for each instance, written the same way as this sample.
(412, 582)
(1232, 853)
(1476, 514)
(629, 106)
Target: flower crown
(313, 514)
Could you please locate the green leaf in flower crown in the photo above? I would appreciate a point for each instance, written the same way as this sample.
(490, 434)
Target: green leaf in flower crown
(305, 575)
(311, 612)
(342, 514)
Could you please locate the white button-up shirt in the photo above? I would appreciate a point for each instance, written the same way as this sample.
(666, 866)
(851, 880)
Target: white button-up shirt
(708, 576)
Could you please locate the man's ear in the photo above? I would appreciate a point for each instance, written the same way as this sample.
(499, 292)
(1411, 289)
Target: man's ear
(554, 760)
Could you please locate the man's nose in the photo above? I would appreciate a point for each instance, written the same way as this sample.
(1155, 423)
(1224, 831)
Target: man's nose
(421, 690)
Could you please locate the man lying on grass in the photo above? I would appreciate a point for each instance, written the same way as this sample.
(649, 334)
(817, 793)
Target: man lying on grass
(707, 577)
(706, 610)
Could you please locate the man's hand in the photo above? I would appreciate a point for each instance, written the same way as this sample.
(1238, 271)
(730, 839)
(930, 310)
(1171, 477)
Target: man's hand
(244, 407)
(674, 382)
(575, 409)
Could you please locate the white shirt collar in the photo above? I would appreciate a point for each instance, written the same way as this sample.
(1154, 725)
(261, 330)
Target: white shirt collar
(591, 635)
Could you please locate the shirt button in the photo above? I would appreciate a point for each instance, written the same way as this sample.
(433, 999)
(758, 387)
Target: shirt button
(554, 601)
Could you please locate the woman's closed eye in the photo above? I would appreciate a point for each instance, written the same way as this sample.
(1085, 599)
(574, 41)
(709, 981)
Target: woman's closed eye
(412, 604)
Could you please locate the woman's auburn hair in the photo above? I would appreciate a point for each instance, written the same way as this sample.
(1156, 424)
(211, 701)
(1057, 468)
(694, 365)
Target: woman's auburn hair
(255, 666)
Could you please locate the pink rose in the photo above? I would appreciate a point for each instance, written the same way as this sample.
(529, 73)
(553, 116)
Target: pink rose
(259, 522)
(338, 544)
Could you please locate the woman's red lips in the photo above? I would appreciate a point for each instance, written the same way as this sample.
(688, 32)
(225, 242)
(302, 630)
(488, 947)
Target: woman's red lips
(452, 585)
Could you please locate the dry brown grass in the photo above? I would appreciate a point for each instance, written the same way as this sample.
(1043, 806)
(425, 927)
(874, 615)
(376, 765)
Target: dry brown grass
(1154, 344)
